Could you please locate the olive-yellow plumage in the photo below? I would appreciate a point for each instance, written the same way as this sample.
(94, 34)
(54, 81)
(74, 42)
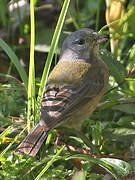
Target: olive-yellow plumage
(60, 74)
(74, 88)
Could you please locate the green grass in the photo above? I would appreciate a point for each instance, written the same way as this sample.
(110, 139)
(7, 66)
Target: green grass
(108, 134)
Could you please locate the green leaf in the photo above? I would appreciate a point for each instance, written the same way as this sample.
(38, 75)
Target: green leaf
(49, 163)
(85, 140)
(116, 69)
(122, 167)
(131, 19)
(125, 121)
(127, 133)
(15, 61)
(127, 108)
(79, 175)
(4, 133)
(10, 145)
(100, 162)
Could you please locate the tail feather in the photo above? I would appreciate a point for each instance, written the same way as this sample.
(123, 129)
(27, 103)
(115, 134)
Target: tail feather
(32, 143)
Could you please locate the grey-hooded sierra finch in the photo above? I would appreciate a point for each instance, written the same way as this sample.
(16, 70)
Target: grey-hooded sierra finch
(74, 88)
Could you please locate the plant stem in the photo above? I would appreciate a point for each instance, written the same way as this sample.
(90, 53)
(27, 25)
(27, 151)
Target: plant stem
(31, 82)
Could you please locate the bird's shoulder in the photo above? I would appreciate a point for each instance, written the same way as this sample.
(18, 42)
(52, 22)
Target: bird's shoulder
(69, 72)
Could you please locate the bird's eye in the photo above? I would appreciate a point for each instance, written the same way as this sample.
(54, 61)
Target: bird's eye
(80, 41)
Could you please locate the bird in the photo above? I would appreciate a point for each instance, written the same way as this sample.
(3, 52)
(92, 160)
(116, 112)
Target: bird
(74, 88)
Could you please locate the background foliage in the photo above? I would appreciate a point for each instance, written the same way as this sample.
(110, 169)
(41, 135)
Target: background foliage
(107, 149)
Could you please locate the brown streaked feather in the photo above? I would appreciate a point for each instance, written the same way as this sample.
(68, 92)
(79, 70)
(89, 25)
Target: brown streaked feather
(32, 143)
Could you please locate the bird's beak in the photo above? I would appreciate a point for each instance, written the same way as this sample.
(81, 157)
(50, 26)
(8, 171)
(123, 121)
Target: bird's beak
(101, 38)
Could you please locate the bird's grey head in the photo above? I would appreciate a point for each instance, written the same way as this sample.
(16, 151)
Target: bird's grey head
(81, 44)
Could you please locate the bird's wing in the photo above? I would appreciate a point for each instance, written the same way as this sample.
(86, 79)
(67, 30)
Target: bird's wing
(60, 101)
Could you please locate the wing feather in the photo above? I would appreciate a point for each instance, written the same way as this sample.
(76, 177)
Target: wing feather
(59, 103)
(67, 91)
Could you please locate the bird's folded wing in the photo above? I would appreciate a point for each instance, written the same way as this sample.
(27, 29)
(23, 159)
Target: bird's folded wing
(60, 101)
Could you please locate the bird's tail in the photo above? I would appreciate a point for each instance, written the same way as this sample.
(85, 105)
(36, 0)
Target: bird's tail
(32, 143)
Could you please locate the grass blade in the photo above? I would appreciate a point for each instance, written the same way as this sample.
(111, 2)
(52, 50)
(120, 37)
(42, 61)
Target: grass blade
(103, 164)
(15, 61)
(3, 134)
(52, 48)
(49, 163)
(31, 83)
